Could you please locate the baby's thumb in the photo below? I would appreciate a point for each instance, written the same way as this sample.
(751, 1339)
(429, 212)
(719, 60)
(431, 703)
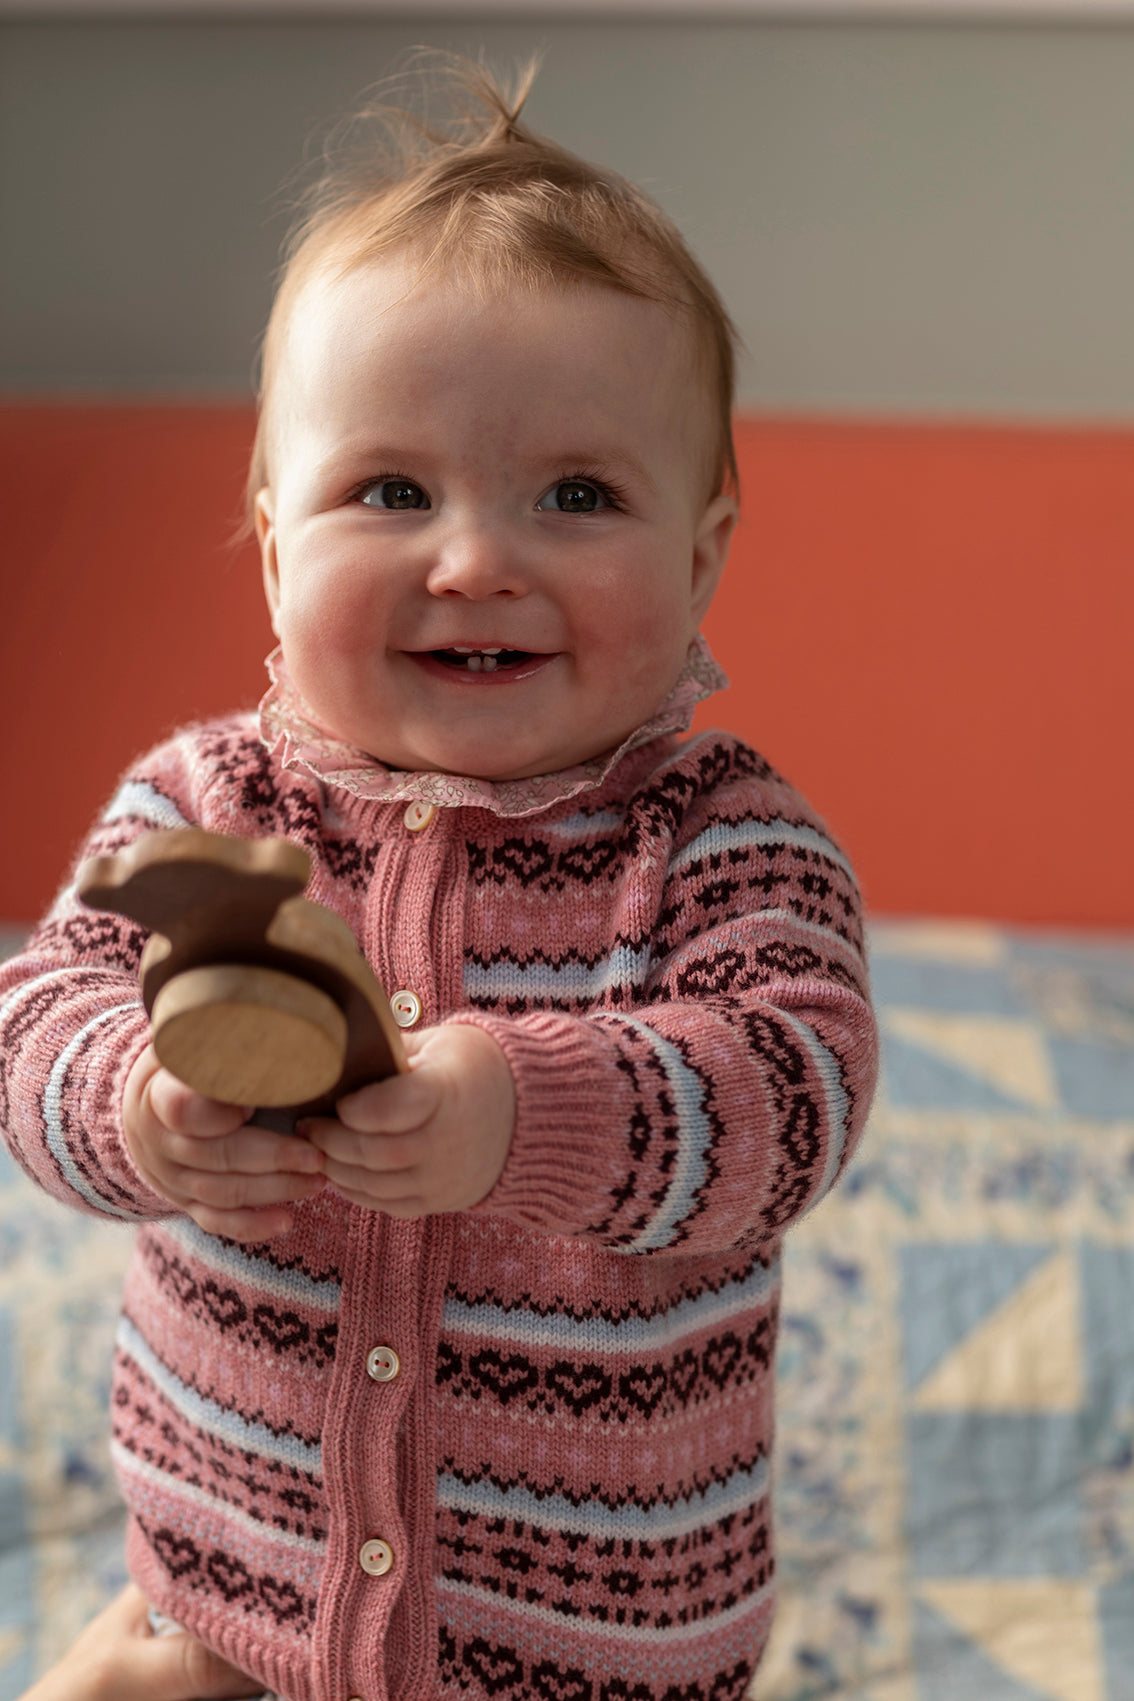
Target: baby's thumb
(179, 1668)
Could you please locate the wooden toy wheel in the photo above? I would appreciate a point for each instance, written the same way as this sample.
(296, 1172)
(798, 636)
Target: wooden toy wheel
(249, 1036)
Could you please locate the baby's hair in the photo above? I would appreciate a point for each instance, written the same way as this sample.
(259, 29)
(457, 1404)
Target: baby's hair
(485, 197)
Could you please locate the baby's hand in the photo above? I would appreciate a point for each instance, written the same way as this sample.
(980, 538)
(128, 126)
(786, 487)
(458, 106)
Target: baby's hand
(200, 1155)
(433, 1140)
(117, 1658)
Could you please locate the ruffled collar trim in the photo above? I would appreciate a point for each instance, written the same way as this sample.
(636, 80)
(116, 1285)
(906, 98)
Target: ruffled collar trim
(288, 729)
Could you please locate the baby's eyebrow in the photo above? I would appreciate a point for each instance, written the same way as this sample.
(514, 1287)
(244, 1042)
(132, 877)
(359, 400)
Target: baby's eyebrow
(365, 449)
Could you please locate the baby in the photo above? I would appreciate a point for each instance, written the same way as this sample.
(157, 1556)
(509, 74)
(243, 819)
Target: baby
(467, 1391)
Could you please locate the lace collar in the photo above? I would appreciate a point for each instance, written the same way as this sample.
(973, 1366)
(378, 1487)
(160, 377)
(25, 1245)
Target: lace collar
(287, 728)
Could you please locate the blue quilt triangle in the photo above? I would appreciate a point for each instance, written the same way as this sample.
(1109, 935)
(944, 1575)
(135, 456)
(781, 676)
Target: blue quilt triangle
(950, 1667)
(946, 1291)
(924, 1080)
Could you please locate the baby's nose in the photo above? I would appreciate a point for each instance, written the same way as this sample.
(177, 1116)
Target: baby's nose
(480, 561)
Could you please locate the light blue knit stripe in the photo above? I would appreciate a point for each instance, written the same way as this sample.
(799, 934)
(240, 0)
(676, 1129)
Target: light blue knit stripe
(562, 981)
(745, 835)
(595, 1519)
(624, 967)
(631, 1335)
(257, 1273)
(673, 1639)
(694, 1135)
(257, 1529)
(53, 1110)
(207, 1414)
(138, 798)
(583, 826)
(838, 1110)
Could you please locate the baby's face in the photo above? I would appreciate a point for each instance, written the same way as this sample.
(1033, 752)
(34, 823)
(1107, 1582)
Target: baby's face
(485, 546)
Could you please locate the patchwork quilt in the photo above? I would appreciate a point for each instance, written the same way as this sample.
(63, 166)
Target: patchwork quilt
(955, 1464)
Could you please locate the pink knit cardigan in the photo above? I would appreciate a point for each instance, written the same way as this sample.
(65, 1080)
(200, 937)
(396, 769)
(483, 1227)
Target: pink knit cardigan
(551, 1480)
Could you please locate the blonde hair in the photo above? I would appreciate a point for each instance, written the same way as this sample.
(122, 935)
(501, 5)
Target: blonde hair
(488, 197)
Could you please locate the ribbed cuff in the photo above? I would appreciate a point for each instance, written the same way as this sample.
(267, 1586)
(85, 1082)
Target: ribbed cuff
(572, 1110)
(103, 1093)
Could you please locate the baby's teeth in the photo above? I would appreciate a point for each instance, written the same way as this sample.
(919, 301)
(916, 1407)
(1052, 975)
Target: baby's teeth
(477, 661)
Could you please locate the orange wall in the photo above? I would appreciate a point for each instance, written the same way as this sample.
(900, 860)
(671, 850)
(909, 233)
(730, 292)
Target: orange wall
(928, 628)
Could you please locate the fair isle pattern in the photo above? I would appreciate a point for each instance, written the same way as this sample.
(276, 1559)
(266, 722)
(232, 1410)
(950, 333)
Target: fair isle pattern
(572, 1466)
(673, 1570)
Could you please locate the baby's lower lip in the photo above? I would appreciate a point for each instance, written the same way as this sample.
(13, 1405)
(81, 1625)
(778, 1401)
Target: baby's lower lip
(499, 668)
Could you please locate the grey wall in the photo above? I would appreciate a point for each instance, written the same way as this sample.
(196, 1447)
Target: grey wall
(924, 218)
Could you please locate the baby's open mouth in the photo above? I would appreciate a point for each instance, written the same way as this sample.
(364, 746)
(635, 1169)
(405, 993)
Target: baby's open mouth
(481, 661)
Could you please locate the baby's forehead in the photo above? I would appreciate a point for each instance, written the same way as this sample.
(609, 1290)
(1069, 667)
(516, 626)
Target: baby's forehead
(345, 331)
(341, 322)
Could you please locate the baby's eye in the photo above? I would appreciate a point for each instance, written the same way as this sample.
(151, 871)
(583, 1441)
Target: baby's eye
(573, 496)
(393, 493)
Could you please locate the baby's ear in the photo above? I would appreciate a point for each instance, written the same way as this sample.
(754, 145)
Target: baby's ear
(264, 517)
(710, 551)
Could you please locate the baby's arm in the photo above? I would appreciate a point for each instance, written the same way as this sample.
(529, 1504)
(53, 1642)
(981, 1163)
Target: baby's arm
(83, 1107)
(705, 1119)
(716, 1103)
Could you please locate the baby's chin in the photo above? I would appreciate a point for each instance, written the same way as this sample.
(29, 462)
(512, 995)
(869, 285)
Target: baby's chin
(534, 762)
(532, 765)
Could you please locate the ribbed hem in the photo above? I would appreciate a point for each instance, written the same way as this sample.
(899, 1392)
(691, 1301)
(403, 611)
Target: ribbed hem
(205, 1618)
(556, 1177)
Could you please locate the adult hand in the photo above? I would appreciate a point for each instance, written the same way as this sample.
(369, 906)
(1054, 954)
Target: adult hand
(201, 1155)
(435, 1139)
(118, 1658)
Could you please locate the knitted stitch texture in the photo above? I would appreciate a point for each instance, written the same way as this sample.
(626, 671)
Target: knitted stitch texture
(571, 1466)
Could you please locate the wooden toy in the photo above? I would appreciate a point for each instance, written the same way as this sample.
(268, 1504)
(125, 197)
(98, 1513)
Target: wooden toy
(257, 996)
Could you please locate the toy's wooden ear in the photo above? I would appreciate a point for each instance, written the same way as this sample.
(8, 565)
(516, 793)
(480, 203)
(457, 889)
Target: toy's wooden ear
(165, 876)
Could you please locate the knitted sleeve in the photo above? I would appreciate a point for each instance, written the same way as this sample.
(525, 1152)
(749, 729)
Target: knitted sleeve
(716, 1087)
(72, 1020)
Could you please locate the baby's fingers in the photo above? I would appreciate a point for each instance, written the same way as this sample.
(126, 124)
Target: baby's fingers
(245, 1226)
(177, 1106)
(398, 1105)
(376, 1152)
(249, 1151)
(234, 1192)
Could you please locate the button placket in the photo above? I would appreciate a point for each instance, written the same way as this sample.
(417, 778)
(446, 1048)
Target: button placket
(366, 1460)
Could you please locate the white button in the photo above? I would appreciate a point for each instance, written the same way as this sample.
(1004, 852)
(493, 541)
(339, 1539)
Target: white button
(383, 1364)
(376, 1557)
(418, 815)
(407, 1008)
